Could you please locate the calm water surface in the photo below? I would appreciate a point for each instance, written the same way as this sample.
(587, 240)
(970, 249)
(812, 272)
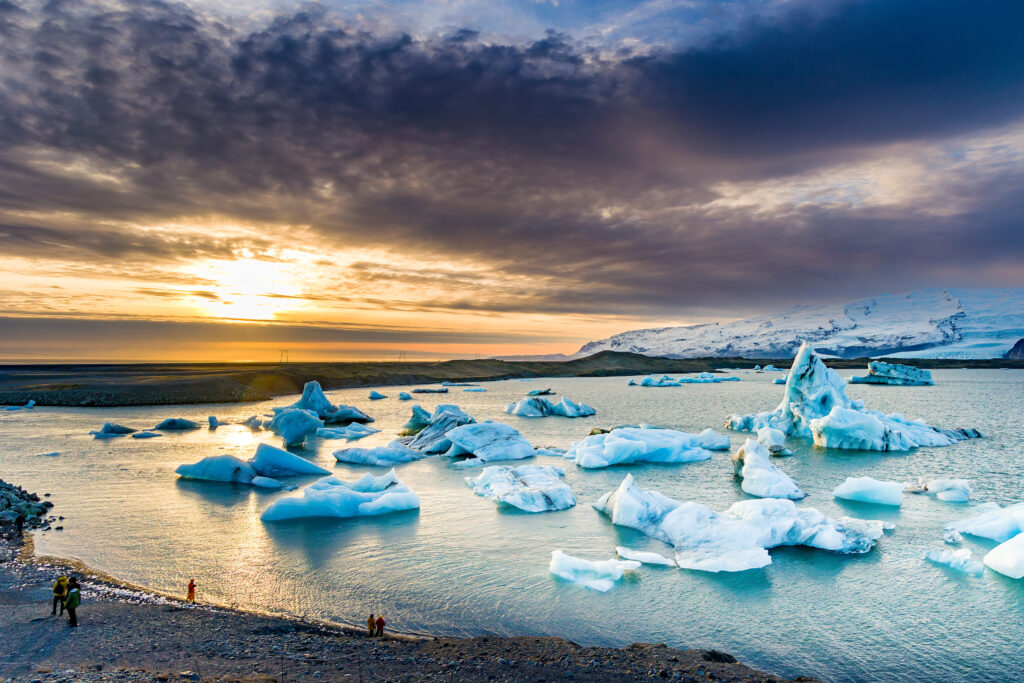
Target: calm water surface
(463, 566)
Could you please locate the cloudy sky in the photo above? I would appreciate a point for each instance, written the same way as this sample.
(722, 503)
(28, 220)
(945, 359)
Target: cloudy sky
(220, 180)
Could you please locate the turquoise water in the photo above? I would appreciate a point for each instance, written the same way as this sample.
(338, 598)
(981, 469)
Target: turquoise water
(462, 566)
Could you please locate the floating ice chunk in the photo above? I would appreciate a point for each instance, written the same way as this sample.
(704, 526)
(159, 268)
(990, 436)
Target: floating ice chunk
(486, 442)
(760, 477)
(737, 539)
(540, 392)
(599, 576)
(110, 430)
(332, 497)
(632, 382)
(266, 483)
(457, 384)
(295, 424)
(769, 368)
(419, 420)
(404, 396)
(275, 462)
(538, 406)
(1007, 558)
(625, 445)
(433, 438)
(992, 522)
(952, 537)
(868, 490)
(644, 557)
(352, 432)
(51, 454)
(253, 422)
(376, 395)
(392, 454)
(146, 435)
(534, 488)
(880, 372)
(815, 405)
(663, 381)
(28, 406)
(176, 424)
(952, 490)
(314, 399)
(959, 560)
(219, 468)
(423, 390)
(774, 440)
(780, 380)
(214, 422)
(475, 390)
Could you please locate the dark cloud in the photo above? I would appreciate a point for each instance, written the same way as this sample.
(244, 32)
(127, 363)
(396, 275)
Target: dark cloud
(508, 153)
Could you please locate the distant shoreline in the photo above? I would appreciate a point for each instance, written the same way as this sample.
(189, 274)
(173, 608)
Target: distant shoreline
(139, 384)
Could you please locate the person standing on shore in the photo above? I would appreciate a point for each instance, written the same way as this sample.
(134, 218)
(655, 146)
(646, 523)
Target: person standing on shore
(380, 624)
(191, 596)
(371, 625)
(72, 601)
(19, 524)
(60, 591)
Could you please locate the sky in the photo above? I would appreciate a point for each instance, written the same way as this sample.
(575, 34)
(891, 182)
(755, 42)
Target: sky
(357, 180)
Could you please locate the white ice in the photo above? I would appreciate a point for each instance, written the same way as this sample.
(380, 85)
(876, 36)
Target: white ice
(868, 490)
(952, 537)
(177, 424)
(146, 435)
(392, 454)
(737, 539)
(644, 557)
(880, 372)
(599, 576)
(332, 497)
(538, 406)
(625, 445)
(275, 462)
(774, 440)
(960, 560)
(433, 437)
(28, 406)
(314, 399)
(1007, 558)
(352, 432)
(376, 395)
(219, 468)
(111, 430)
(952, 490)
(534, 488)
(993, 522)
(295, 424)
(487, 442)
(475, 390)
(760, 477)
(815, 405)
(266, 483)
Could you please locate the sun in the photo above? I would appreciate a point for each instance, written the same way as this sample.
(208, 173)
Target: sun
(244, 288)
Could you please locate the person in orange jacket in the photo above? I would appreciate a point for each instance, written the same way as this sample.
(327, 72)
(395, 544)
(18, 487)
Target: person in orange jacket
(380, 624)
(191, 596)
(371, 625)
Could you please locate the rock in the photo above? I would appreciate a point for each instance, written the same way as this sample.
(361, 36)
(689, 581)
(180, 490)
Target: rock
(718, 656)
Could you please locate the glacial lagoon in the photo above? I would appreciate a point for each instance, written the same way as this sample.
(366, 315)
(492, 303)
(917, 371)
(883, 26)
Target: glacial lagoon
(461, 565)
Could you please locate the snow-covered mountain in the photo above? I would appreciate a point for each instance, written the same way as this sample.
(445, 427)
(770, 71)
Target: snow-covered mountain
(931, 323)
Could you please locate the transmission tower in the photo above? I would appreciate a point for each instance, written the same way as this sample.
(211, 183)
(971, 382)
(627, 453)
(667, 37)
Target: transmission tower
(284, 356)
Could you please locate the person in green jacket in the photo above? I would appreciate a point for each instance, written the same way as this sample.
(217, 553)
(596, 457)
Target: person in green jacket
(73, 600)
(60, 591)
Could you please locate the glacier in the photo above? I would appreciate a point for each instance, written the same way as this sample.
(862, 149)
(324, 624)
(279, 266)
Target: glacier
(314, 400)
(533, 488)
(482, 442)
(869, 490)
(815, 405)
(739, 538)
(599, 576)
(880, 372)
(332, 497)
(930, 323)
(760, 477)
(538, 406)
(624, 445)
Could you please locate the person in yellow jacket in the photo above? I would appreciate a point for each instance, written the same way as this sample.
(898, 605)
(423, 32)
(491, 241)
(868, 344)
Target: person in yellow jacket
(60, 590)
(371, 625)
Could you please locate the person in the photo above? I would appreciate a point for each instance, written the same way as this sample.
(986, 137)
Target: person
(371, 625)
(60, 591)
(72, 601)
(191, 597)
(380, 624)
(19, 523)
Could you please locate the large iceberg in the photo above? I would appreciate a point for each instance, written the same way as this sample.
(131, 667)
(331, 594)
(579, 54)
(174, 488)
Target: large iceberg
(960, 560)
(538, 406)
(1007, 558)
(880, 372)
(314, 400)
(295, 424)
(737, 539)
(625, 445)
(599, 576)
(332, 497)
(275, 462)
(420, 419)
(267, 463)
(815, 405)
(392, 454)
(219, 468)
(760, 477)
(433, 437)
(868, 490)
(486, 442)
(111, 430)
(534, 488)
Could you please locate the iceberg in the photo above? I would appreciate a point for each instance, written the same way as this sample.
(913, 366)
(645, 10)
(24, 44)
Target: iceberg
(951, 490)
(760, 477)
(774, 440)
(404, 396)
(214, 422)
(540, 392)
(111, 430)
(433, 438)
(313, 399)
(993, 522)
(599, 576)
(443, 390)
(534, 488)
(868, 490)
(960, 560)
(1007, 558)
(294, 425)
(644, 557)
(769, 368)
(376, 395)
(538, 406)
(219, 468)
(663, 381)
(176, 424)
(332, 497)
(952, 537)
(486, 442)
(880, 372)
(28, 406)
(780, 380)
(352, 432)
(624, 445)
(275, 462)
(738, 539)
(419, 420)
(632, 382)
(815, 405)
(266, 483)
(146, 435)
(252, 422)
(392, 454)
(476, 390)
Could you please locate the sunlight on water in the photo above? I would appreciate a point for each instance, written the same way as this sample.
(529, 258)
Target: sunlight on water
(461, 565)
